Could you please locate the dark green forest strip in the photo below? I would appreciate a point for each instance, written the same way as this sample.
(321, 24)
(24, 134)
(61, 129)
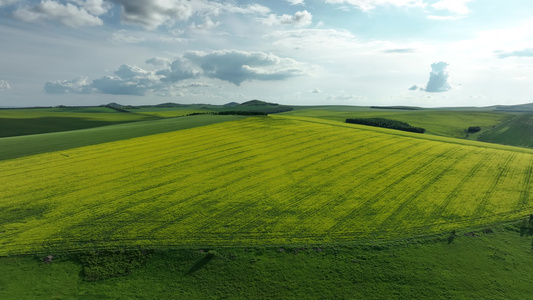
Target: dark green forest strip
(13, 147)
(386, 123)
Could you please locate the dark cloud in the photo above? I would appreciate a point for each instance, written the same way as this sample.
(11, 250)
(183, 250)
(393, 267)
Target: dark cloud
(414, 88)
(438, 78)
(519, 53)
(154, 13)
(239, 66)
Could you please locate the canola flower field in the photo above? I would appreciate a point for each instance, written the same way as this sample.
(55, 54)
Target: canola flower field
(258, 181)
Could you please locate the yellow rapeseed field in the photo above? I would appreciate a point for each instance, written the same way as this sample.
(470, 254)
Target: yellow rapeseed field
(258, 181)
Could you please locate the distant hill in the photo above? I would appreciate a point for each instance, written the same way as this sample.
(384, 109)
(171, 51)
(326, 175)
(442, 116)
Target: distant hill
(231, 104)
(114, 104)
(396, 107)
(258, 103)
(169, 104)
(528, 107)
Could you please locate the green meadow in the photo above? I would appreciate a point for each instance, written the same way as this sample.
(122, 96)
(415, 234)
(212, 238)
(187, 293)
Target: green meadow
(162, 204)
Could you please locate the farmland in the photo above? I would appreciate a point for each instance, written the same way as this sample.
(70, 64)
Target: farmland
(448, 123)
(16, 122)
(259, 181)
(20, 146)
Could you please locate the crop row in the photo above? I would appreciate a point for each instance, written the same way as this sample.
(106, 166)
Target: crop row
(263, 180)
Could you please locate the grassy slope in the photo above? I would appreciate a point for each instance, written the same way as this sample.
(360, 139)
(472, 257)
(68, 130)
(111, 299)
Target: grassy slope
(16, 122)
(200, 186)
(168, 112)
(489, 266)
(517, 131)
(437, 122)
(20, 146)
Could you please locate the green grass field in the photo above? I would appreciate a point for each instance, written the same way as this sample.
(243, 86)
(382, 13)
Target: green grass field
(485, 266)
(295, 205)
(517, 131)
(20, 146)
(168, 112)
(259, 181)
(16, 122)
(436, 122)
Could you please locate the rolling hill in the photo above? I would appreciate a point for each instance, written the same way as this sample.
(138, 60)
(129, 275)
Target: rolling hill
(259, 181)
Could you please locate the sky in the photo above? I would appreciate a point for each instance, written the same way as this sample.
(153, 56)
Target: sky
(428, 53)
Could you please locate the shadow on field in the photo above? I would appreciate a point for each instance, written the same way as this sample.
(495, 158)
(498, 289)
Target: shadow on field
(200, 264)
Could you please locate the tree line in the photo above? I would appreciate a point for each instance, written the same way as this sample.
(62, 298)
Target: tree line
(386, 123)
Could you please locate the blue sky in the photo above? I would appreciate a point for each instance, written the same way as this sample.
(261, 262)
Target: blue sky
(303, 52)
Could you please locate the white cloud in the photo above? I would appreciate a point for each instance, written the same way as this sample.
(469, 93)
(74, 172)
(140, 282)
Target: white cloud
(7, 2)
(316, 91)
(239, 66)
(368, 5)
(517, 53)
(180, 69)
(196, 85)
(296, 2)
(252, 9)
(344, 96)
(159, 61)
(438, 78)
(299, 19)
(79, 85)
(227, 65)
(454, 6)
(208, 24)
(154, 13)
(122, 37)
(4, 85)
(94, 7)
(68, 14)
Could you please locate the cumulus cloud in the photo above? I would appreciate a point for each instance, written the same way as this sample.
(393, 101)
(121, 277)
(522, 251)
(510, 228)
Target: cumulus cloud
(68, 14)
(296, 2)
(154, 13)
(127, 80)
(228, 65)
(239, 66)
(4, 85)
(95, 7)
(299, 19)
(368, 5)
(7, 2)
(208, 24)
(122, 37)
(454, 6)
(79, 85)
(343, 96)
(416, 87)
(519, 53)
(438, 78)
(159, 61)
(180, 69)
(316, 91)
(400, 50)
(196, 85)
